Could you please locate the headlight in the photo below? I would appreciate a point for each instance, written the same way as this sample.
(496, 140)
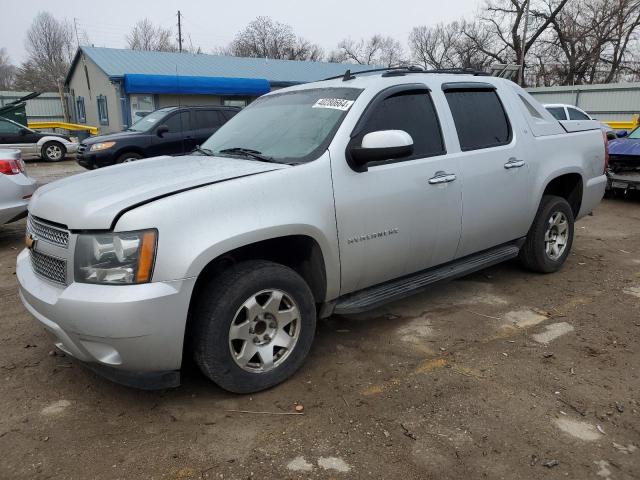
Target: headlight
(116, 258)
(96, 147)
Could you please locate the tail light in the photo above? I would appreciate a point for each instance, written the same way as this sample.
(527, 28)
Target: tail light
(606, 151)
(11, 167)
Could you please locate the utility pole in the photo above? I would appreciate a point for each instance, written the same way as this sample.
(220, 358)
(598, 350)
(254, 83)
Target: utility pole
(75, 26)
(179, 31)
(523, 47)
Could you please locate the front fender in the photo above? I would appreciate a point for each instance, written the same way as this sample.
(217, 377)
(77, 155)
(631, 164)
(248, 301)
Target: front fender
(199, 225)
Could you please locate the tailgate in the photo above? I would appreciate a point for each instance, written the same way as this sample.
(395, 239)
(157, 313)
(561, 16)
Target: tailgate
(579, 125)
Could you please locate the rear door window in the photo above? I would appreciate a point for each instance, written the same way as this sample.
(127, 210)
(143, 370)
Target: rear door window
(557, 112)
(480, 118)
(412, 111)
(576, 114)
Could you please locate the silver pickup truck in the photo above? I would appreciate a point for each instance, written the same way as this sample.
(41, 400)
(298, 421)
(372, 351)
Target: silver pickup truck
(331, 197)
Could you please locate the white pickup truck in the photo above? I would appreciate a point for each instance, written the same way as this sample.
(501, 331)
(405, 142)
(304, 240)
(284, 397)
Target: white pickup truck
(330, 197)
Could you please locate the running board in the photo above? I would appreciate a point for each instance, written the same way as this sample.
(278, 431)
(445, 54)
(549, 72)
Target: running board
(375, 296)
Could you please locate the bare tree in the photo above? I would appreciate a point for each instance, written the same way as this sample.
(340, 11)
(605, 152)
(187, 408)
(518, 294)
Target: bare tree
(49, 45)
(377, 50)
(7, 71)
(146, 36)
(447, 46)
(503, 22)
(266, 38)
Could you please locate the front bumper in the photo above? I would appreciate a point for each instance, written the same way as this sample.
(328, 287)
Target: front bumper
(132, 334)
(93, 160)
(72, 147)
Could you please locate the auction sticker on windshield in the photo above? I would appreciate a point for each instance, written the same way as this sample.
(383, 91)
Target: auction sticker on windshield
(336, 103)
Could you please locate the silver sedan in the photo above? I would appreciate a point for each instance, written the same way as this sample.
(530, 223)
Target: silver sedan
(16, 187)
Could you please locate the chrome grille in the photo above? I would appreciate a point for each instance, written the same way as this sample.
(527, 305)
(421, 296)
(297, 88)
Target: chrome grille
(81, 148)
(48, 232)
(51, 268)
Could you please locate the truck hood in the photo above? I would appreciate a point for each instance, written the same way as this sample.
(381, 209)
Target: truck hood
(92, 200)
(625, 146)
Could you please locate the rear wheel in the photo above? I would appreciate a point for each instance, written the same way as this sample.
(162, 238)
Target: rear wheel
(254, 325)
(128, 157)
(549, 240)
(53, 151)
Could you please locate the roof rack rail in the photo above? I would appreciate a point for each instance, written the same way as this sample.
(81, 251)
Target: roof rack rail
(404, 69)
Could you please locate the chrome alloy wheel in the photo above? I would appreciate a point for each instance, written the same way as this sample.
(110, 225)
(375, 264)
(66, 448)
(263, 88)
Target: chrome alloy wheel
(556, 236)
(264, 331)
(53, 152)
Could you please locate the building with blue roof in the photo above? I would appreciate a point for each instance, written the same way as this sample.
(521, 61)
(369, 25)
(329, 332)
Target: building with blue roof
(112, 88)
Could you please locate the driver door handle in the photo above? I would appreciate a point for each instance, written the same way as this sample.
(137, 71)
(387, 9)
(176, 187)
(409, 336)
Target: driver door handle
(442, 177)
(514, 163)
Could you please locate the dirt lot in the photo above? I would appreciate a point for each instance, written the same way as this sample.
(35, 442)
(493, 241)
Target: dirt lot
(504, 374)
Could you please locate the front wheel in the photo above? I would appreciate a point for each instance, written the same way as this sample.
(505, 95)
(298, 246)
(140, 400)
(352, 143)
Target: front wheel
(128, 157)
(53, 151)
(253, 326)
(549, 240)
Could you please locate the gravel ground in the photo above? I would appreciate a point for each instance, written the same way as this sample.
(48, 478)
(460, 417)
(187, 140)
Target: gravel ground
(503, 374)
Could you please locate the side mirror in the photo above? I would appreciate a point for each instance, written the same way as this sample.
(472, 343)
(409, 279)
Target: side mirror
(381, 145)
(621, 133)
(23, 131)
(161, 130)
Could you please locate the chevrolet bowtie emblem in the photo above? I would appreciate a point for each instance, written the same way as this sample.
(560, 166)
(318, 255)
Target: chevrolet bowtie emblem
(30, 241)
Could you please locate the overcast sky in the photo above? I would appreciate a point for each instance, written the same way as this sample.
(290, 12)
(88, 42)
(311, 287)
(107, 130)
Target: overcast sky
(211, 23)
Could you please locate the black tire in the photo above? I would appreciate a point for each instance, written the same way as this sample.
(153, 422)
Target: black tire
(216, 307)
(128, 157)
(533, 253)
(53, 151)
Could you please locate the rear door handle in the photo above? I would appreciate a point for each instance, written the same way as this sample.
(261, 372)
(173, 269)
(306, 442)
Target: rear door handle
(514, 163)
(442, 177)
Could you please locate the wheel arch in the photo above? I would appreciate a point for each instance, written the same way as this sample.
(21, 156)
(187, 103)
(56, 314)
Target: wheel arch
(568, 185)
(300, 252)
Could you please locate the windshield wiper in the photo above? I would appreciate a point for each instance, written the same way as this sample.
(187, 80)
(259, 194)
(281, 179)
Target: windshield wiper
(247, 152)
(204, 151)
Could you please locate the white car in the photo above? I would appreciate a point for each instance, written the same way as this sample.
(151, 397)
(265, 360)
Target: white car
(569, 112)
(16, 187)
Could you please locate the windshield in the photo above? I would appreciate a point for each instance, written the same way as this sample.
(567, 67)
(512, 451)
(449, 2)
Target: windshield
(147, 122)
(291, 127)
(635, 134)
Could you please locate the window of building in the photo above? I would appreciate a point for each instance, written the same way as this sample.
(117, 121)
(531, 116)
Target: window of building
(103, 111)
(80, 110)
(207, 119)
(577, 114)
(557, 112)
(533, 111)
(413, 112)
(480, 119)
(235, 102)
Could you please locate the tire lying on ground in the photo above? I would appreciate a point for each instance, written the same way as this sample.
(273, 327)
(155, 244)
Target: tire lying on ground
(253, 326)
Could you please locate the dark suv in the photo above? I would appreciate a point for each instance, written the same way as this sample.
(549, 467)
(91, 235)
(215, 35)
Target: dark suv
(167, 131)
